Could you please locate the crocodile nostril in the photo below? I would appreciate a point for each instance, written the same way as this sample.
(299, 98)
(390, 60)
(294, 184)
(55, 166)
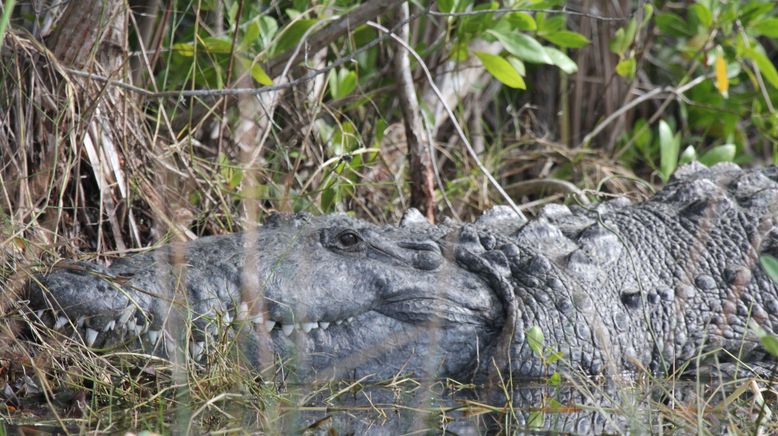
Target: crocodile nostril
(427, 260)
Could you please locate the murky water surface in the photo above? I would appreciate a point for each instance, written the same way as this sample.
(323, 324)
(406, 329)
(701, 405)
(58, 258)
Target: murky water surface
(412, 407)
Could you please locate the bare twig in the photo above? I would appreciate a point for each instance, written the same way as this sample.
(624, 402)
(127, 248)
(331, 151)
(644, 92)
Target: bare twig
(224, 92)
(757, 73)
(329, 34)
(454, 121)
(539, 185)
(564, 11)
(203, 93)
(419, 159)
(228, 77)
(647, 96)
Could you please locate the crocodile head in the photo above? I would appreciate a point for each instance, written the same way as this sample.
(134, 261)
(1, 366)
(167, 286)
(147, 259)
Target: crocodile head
(331, 296)
(351, 298)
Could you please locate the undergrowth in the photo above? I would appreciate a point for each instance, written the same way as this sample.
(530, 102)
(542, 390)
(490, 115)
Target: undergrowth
(105, 158)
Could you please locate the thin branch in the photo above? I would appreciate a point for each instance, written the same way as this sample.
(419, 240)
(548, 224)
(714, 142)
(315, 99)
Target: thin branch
(228, 77)
(757, 73)
(564, 10)
(453, 119)
(329, 34)
(419, 158)
(647, 96)
(248, 91)
(237, 91)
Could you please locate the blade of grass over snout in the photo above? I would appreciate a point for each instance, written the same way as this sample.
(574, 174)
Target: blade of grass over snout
(8, 8)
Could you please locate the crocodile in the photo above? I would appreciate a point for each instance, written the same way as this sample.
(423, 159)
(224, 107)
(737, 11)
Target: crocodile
(613, 287)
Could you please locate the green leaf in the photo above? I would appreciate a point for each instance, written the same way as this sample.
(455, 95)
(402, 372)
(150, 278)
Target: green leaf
(447, 6)
(668, 146)
(648, 9)
(521, 21)
(627, 68)
(555, 379)
(546, 24)
(689, 154)
(722, 153)
(260, 75)
(221, 45)
(329, 197)
(459, 51)
(251, 35)
(753, 11)
(268, 27)
(702, 13)
(184, 49)
(767, 27)
(618, 43)
(292, 34)
(642, 135)
(477, 23)
(567, 39)
(535, 340)
(502, 70)
(553, 357)
(623, 38)
(235, 179)
(518, 65)
(561, 60)
(342, 83)
(231, 174)
(630, 30)
(672, 25)
(769, 342)
(232, 14)
(522, 46)
(770, 266)
(536, 419)
(766, 67)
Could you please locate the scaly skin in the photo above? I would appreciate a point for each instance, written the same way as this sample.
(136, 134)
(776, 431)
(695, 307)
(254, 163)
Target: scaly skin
(615, 287)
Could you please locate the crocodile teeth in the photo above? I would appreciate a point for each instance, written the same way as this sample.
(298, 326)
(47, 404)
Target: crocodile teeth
(39, 313)
(80, 321)
(110, 326)
(128, 312)
(258, 319)
(308, 326)
(350, 319)
(339, 322)
(287, 329)
(61, 322)
(91, 335)
(153, 336)
(324, 325)
(269, 325)
(138, 330)
(131, 324)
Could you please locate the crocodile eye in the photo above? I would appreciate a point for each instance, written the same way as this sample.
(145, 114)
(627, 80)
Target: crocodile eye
(348, 239)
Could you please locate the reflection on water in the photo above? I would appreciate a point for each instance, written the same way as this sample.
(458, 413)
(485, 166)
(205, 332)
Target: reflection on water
(413, 407)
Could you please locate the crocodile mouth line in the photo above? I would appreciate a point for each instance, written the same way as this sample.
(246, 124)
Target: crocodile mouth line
(128, 325)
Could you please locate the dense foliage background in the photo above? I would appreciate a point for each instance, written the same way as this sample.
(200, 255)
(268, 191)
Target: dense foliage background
(221, 111)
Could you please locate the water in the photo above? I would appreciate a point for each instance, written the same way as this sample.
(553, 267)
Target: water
(410, 406)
